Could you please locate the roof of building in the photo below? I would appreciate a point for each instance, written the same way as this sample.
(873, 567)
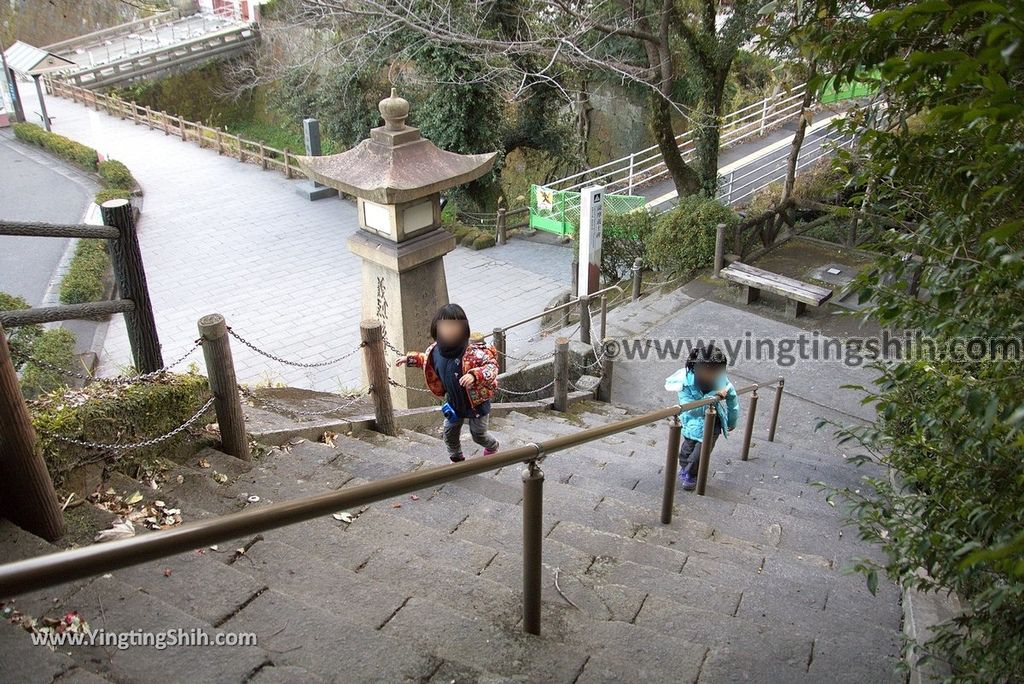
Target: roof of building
(29, 60)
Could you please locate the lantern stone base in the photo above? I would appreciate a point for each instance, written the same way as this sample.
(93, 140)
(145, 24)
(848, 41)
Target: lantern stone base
(403, 286)
(313, 191)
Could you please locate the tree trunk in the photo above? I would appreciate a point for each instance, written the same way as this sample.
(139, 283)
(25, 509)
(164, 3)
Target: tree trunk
(798, 137)
(684, 177)
(707, 133)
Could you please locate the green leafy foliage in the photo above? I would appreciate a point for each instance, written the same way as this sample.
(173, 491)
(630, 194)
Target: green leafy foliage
(55, 346)
(947, 167)
(624, 240)
(84, 279)
(108, 194)
(66, 148)
(117, 413)
(684, 237)
(115, 175)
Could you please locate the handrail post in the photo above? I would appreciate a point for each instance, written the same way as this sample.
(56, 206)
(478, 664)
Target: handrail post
(163, 119)
(220, 140)
(584, 303)
(574, 279)
(719, 248)
(604, 387)
(604, 316)
(263, 156)
(287, 165)
(499, 348)
(220, 370)
(126, 258)
(561, 399)
(675, 429)
(533, 537)
(637, 277)
(775, 410)
(135, 113)
(500, 222)
(749, 431)
(372, 334)
(29, 499)
(181, 126)
(705, 448)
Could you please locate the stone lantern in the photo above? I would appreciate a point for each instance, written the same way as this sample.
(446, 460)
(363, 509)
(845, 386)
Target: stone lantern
(397, 177)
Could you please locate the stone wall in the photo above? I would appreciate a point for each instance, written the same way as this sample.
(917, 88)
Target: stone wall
(40, 23)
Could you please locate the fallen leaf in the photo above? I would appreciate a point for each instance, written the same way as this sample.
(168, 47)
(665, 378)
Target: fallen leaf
(134, 498)
(220, 478)
(414, 497)
(204, 463)
(343, 517)
(253, 499)
(119, 530)
(180, 479)
(167, 572)
(396, 505)
(329, 438)
(158, 503)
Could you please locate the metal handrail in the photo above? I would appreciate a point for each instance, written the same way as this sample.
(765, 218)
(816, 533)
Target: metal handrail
(64, 566)
(560, 307)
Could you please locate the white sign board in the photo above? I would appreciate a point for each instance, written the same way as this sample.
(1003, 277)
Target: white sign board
(591, 232)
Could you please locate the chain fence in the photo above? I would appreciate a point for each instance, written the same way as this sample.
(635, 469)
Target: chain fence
(121, 380)
(284, 408)
(297, 364)
(120, 447)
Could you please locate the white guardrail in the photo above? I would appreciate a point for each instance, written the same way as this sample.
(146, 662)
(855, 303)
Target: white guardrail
(624, 175)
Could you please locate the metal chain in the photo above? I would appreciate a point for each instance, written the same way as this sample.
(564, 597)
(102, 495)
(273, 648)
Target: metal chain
(298, 364)
(125, 380)
(283, 408)
(533, 391)
(395, 383)
(121, 447)
(527, 359)
(585, 389)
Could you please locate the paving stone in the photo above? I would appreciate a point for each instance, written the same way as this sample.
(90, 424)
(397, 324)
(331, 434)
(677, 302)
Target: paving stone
(326, 643)
(284, 674)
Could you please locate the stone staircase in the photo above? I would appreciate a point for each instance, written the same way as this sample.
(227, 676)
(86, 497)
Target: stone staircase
(746, 584)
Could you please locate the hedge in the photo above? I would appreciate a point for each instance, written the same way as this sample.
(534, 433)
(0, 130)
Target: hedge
(115, 175)
(55, 346)
(106, 414)
(66, 148)
(84, 279)
(684, 237)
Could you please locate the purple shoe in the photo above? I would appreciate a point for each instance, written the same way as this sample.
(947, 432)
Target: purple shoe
(687, 481)
(457, 458)
(488, 452)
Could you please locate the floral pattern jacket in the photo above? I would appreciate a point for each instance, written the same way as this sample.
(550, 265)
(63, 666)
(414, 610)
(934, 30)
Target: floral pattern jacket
(479, 360)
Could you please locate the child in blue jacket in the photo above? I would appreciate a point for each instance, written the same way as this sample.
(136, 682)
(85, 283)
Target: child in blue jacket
(702, 378)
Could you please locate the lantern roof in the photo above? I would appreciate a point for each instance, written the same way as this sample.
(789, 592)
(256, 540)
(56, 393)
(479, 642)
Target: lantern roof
(395, 164)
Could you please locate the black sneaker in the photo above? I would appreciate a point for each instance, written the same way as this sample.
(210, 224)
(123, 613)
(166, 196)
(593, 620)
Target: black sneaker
(457, 458)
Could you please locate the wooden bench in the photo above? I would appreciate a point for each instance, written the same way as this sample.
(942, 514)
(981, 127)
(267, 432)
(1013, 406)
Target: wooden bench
(798, 294)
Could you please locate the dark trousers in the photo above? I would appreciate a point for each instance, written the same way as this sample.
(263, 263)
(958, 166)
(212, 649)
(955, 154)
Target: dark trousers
(689, 451)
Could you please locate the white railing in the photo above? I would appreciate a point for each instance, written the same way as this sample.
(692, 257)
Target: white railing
(625, 174)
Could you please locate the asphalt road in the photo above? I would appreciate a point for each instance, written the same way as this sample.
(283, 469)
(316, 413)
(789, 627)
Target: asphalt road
(30, 191)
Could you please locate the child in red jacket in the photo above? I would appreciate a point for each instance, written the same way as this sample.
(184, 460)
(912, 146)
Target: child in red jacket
(463, 369)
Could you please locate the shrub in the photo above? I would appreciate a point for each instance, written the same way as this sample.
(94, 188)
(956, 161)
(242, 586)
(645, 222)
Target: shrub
(116, 175)
(470, 237)
(684, 238)
(66, 148)
(113, 413)
(84, 279)
(55, 346)
(22, 338)
(484, 241)
(112, 193)
(624, 240)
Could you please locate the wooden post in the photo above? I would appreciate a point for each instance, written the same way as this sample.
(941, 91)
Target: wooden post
(131, 280)
(135, 113)
(638, 266)
(263, 156)
(500, 222)
(561, 401)
(163, 119)
(181, 124)
(675, 429)
(220, 369)
(148, 113)
(584, 302)
(719, 247)
(28, 498)
(604, 388)
(241, 152)
(287, 165)
(499, 347)
(372, 334)
(574, 278)
(220, 141)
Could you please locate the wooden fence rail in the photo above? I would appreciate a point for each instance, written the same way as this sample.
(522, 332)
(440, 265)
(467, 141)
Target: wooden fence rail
(208, 137)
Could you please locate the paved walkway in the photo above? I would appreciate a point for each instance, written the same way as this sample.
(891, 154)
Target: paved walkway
(221, 236)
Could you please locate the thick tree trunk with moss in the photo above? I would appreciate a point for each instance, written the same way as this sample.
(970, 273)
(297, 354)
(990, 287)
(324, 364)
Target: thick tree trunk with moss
(707, 133)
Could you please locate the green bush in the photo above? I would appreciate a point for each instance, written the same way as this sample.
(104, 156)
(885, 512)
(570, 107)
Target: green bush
(108, 194)
(84, 279)
(684, 238)
(55, 346)
(625, 238)
(106, 414)
(484, 241)
(115, 175)
(22, 338)
(66, 148)
(469, 237)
